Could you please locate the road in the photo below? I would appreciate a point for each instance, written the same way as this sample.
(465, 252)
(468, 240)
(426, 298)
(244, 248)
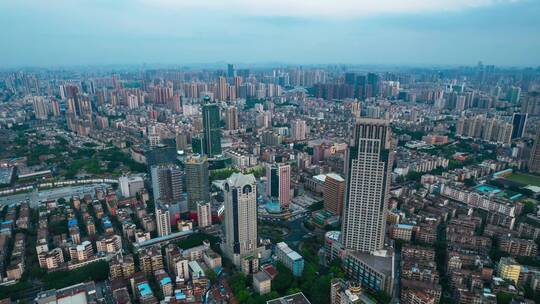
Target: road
(397, 277)
(37, 196)
(296, 232)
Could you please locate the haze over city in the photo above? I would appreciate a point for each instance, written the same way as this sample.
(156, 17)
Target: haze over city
(270, 152)
(420, 32)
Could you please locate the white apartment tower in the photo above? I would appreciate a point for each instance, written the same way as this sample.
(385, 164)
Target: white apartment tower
(368, 173)
(204, 214)
(298, 129)
(163, 219)
(231, 118)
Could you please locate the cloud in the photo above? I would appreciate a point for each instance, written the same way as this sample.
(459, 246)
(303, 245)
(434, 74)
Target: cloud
(325, 8)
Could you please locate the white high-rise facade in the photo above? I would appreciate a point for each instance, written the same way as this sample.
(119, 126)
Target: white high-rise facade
(163, 219)
(240, 214)
(298, 129)
(204, 214)
(231, 118)
(368, 173)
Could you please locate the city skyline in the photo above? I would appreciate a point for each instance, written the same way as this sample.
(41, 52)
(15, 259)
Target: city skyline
(346, 32)
(270, 151)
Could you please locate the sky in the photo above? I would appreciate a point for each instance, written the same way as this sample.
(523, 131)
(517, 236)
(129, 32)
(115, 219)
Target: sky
(55, 33)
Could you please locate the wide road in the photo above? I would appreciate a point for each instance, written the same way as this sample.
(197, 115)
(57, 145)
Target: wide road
(37, 196)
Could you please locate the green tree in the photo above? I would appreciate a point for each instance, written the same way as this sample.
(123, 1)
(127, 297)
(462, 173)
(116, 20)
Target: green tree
(504, 298)
(528, 207)
(212, 276)
(283, 280)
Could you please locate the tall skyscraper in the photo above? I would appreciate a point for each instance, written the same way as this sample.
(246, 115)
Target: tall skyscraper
(298, 129)
(240, 215)
(519, 121)
(231, 118)
(163, 219)
(211, 129)
(167, 183)
(181, 142)
(230, 70)
(40, 106)
(534, 161)
(334, 192)
(278, 183)
(514, 94)
(372, 89)
(223, 89)
(197, 181)
(368, 173)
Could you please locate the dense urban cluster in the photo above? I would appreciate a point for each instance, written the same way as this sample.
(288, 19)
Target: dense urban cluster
(316, 184)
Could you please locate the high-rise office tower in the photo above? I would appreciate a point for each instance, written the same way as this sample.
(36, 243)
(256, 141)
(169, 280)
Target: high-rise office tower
(211, 129)
(534, 161)
(519, 121)
(350, 78)
(167, 183)
(240, 214)
(298, 129)
(231, 118)
(197, 181)
(514, 94)
(237, 85)
(372, 85)
(334, 192)
(163, 219)
(368, 173)
(278, 183)
(230, 70)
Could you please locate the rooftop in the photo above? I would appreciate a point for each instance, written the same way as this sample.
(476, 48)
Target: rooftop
(261, 276)
(382, 264)
(144, 289)
(335, 176)
(239, 179)
(297, 298)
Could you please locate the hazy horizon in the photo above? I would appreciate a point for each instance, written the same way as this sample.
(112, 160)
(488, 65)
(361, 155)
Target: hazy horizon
(62, 33)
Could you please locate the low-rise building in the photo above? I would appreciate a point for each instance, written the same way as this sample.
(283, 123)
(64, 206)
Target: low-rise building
(262, 283)
(290, 258)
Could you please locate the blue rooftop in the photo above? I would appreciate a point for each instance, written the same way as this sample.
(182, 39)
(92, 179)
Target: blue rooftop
(165, 281)
(179, 295)
(405, 226)
(144, 289)
(487, 189)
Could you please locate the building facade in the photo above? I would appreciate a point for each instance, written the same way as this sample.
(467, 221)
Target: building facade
(334, 192)
(240, 216)
(197, 181)
(278, 183)
(368, 184)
